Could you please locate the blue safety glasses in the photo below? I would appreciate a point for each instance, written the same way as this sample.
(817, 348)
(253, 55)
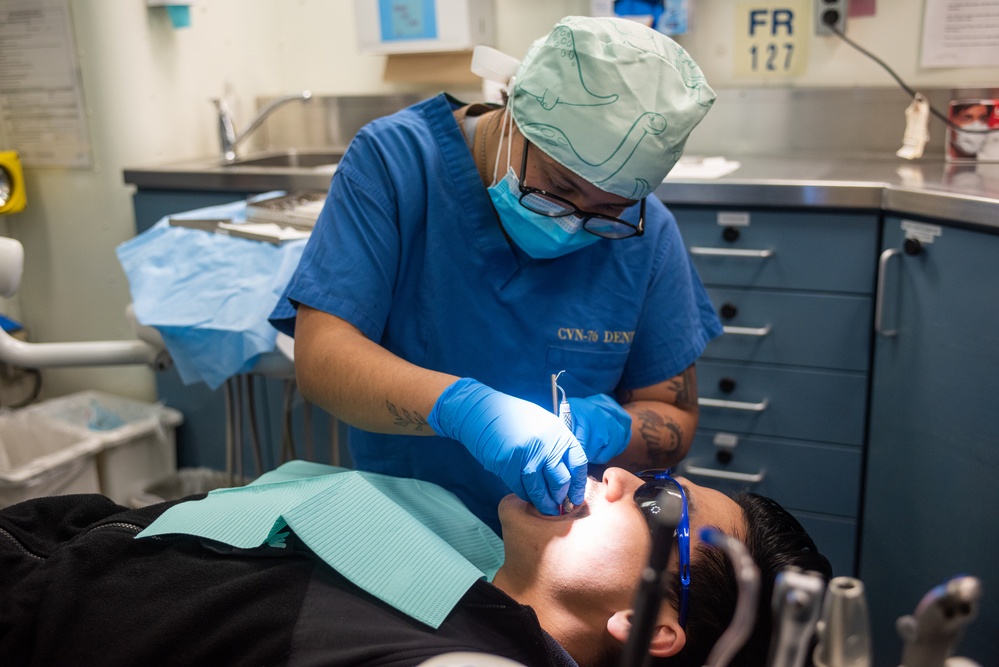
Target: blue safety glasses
(647, 499)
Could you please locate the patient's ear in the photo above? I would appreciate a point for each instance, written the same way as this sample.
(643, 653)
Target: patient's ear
(667, 638)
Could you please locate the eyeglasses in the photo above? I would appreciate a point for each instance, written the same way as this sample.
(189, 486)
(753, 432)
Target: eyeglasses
(553, 206)
(646, 497)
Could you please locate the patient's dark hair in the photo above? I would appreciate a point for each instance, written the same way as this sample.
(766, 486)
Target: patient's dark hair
(776, 541)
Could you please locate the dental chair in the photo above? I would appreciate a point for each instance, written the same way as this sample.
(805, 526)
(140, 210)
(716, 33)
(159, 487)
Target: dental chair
(148, 349)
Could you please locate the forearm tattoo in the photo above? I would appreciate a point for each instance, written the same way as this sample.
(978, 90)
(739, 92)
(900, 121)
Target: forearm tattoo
(405, 419)
(662, 438)
(685, 387)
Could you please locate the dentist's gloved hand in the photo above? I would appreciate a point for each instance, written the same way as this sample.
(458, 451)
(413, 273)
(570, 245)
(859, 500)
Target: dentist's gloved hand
(601, 425)
(528, 447)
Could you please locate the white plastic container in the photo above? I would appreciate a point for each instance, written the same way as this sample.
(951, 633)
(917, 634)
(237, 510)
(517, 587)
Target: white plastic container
(138, 439)
(40, 457)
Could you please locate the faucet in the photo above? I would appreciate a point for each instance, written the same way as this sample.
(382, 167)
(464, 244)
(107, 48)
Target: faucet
(229, 139)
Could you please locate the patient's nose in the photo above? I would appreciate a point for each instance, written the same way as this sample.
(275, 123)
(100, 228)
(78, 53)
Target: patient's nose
(619, 484)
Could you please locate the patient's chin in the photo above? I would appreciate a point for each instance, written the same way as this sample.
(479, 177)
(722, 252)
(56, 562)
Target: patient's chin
(510, 505)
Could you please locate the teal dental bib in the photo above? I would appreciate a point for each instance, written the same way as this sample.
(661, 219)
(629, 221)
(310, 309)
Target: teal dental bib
(409, 543)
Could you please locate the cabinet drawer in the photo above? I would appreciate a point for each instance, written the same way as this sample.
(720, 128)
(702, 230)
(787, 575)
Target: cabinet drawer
(799, 475)
(806, 329)
(836, 539)
(810, 251)
(798, 404)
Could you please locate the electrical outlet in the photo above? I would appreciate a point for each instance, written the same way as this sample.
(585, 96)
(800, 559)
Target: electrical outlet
(829, 12)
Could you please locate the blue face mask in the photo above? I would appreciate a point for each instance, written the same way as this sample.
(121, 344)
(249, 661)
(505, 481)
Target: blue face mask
(539, 236)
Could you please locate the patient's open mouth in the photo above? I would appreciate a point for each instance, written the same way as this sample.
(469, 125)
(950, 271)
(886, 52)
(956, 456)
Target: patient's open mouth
(577, 512)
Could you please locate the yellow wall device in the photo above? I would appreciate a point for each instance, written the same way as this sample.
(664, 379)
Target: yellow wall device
(12, 195)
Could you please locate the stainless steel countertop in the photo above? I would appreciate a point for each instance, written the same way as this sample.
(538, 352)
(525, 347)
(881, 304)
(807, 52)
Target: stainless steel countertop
(930, 188)
(936, 189)
(214, 174)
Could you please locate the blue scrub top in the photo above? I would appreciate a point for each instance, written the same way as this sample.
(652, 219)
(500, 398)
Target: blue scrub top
(409, 250)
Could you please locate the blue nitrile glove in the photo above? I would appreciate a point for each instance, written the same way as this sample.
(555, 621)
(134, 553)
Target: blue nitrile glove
(528, 447)
(601, 425)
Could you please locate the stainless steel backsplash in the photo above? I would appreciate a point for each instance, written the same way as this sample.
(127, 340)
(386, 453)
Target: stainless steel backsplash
(829, 122)
(327, 121)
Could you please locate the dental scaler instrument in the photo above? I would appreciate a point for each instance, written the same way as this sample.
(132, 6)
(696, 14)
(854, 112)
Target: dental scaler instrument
(561, 408)
(747, 577)
(565, 414)
(796, 603)
(931, 633)
(844, 630)
(650, 587)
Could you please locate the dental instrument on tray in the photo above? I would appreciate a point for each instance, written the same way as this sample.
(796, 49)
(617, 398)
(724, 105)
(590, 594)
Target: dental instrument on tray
(268, 232)
(565, 414)
(931, 633)
(844, 631)
(796, 603)
(650, 587)
(747, 577)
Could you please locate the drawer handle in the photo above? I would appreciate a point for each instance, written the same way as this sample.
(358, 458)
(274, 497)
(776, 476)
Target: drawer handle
(747, 331)
(911, 247)
(734, 405)
(749, 478)
(730, 252)
(879, 298)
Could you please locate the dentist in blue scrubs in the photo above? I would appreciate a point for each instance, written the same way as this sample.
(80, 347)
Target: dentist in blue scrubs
(467, 253)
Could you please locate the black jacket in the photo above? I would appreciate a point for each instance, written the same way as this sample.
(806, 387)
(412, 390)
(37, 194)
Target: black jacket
(77, 588)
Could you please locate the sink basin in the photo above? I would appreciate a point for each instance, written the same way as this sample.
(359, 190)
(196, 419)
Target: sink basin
(262, 171)
(289, 160)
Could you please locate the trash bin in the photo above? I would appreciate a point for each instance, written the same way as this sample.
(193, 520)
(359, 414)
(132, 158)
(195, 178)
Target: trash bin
(41, 457)
(185, 482)
(138, 439)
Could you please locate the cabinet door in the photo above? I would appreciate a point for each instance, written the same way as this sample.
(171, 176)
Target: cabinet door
(931, 506)
(151, 205)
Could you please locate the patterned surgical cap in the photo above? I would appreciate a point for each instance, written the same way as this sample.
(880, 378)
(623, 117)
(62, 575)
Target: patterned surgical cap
(612, 100)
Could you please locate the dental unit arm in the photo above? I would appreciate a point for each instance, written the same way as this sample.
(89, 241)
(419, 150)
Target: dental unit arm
(796, 603)
(931, 633)
(149, 350)
(844, 629)
(747, 577)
